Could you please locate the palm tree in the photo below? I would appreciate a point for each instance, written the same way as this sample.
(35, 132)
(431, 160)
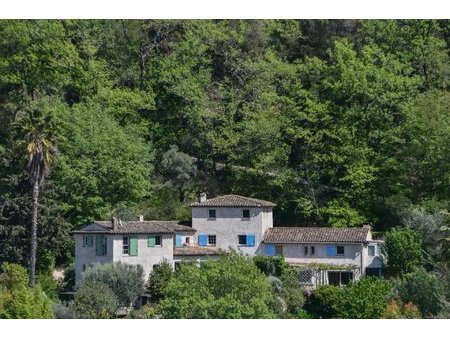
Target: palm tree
(38, 129)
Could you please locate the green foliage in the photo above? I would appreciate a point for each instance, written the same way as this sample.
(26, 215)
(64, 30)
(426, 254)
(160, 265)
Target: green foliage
(231, 287)
(422, 289)
(49, 285)
(158, 280)
(303, 314)
(69, 277)
(64, 310)
(325, 301)
(292, 291)
(403, 250)
(396, 309)
(271, 266)
(126, 281)
(95, 300)
(17, 301)
(365, 299)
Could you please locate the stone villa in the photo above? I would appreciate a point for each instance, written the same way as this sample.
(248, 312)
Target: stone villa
(328, 255)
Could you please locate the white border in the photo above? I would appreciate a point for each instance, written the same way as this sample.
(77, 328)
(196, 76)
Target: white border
(225, 9)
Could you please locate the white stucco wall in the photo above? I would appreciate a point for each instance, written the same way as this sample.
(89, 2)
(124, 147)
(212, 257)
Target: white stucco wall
(87, 255)
(147, 256)
(229, 223)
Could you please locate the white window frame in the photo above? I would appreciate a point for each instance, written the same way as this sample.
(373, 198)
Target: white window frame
(215, 240)
(126, 245)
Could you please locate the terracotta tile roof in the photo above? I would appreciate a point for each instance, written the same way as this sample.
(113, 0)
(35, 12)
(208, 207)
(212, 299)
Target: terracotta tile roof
(233, 201)
(195, 251)
(136, 227)
(315, 235)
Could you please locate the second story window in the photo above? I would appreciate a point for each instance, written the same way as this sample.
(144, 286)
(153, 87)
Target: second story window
(246, 214)
(212, 213)
(371, 250)
(212, 240)
(125, 245)
(100, 246)
(153, 241)
(188, 240)
(88, 241)
(246, 240)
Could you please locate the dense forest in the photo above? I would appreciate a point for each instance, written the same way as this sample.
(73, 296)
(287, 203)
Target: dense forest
(338, 122)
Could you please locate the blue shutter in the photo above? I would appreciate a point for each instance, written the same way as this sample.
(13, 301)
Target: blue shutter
(250, 240)
(269, 249)
(203, 240)
(331, 250)
(178, 240)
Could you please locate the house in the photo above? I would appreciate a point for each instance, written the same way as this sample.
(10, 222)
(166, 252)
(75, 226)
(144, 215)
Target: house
(328, 255)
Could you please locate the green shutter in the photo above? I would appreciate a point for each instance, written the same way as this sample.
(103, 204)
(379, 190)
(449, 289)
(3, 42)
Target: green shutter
(151, 242)
(133, 246)
(99, 250)
(90, 241)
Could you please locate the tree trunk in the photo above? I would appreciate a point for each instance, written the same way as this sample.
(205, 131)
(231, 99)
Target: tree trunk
(34, 216)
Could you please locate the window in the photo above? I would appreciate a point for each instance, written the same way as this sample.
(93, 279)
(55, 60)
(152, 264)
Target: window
(340, 250)
(371, 250)
(88, 241)
(100, 245)
(313, 250)
(305, 251)
(212, 240)
(242, 240)
(245, 213)
(153, 241)
(187, 240)
(125, 245)
(212, 213)
(278, 250)
(84, 267)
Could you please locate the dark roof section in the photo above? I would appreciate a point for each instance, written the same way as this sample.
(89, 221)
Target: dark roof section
(233, 201)
(195, 251)
(136, 227)
(315, 235)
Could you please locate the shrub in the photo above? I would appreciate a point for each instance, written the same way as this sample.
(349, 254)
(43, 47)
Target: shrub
(422, 289)
(49, 284)
(126, 281)
(64, 310)
(230, 287)
(292, 291)
(96, 300)
(69, 277)
(396, 309)
(271, 266)
(325, 301)
(365, 299)
(17, 300)
(403, 251)
(303, 314)
(158, 280)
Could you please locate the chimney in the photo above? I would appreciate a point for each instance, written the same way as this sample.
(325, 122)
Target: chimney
(202, 197)
(366, 225)
(141, 218)
(115, 224)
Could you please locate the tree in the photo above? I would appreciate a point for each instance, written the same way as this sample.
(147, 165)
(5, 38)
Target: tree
(422, 289)
(292, 292)
(158, 280)
(325, 301)
(125, 280)
(366, 298)
(230, 287)
(95, 300)
(396, 309)
(403, 250)
(39, 130)
(17, 300)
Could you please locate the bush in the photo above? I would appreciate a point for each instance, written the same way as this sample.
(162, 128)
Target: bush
(49, 285)
(292, 291)
(96, 300)
(396, 309)
(325, 301)
(422, 289)
(145, 312)
(403, 251)
(126, 281)
(158, 280)
(230, 287)
(271, 266)
(365, 299)
(69, 278)
(19, 301)
(64, 310)
(303, 314)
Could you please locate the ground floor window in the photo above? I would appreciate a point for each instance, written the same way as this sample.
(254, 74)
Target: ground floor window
(375, 272)
(212, 240)
(339, 278)
(278, 250)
